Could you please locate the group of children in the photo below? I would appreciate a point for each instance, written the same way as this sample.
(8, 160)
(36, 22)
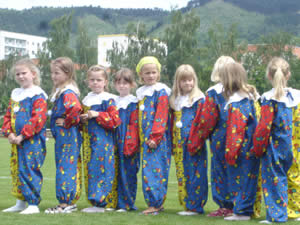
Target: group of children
(250, 136)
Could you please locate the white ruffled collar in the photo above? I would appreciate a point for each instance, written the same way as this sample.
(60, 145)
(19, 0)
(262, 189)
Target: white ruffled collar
(123, 102)
(238, 96)
(59, 91)
(97, 99)
(149, 90)
(184, 101)
(19, 94)
(217, 88)
(290, 99)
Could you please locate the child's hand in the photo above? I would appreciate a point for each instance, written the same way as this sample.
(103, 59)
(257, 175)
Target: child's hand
(84, 118)
(19, 139)
(92, 114)
(11, 138)
(151, 144)
(60, 122)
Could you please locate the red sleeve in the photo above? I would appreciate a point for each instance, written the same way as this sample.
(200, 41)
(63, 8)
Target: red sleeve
(160, 119)
(6, 127)
(263, 130)
(132, 140)
(73, 110)
(38, 119)
(110, 118)
(204, 122)
(236, 126)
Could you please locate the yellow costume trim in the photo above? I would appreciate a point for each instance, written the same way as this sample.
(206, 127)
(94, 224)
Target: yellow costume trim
(147, 60)
(112, 198)
(178, 156)
(141, 134)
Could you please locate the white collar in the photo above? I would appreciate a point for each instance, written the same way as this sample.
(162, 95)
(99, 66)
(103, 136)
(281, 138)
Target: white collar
(217, 88)
(59, 91)
(149, 90)
(97, 99)
(290, 99)
(123, 102)
(19, 94)
(184, 101)
(238, 96)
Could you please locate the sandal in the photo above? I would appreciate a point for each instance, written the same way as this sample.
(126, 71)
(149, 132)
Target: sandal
(153, 211)
(61, 209)
(221, 212)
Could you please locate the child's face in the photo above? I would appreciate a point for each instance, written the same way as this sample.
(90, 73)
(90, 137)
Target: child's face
(24, 76)
(123, 87)
(97, 82)
(58, 76)
(149, 74)
(186, 85)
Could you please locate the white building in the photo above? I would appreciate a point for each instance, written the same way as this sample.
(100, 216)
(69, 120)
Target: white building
(19, 44)
(105, 43)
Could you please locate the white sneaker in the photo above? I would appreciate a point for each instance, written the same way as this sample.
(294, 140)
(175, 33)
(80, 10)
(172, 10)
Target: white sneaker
(297, 219)
(19, 206)
(187, 213)
(31, 209)
(265, 221)
(109, 209)
(121, 210)
(236, 217)
(93, 209)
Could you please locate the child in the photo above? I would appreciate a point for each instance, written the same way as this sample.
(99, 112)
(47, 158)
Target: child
(153, 119)
(24, 125)
(191, 170)
(275, 140)
(212, 124)
(100, 118)
(128, 155)
(65, 130)
(241, 123)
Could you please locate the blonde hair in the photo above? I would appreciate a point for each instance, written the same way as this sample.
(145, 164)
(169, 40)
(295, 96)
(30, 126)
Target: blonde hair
(221, 61)
(182, 72)
(277, 71)
(31, 66)
(67, 66)
(98, 69)
(127, 75)
(234, 78)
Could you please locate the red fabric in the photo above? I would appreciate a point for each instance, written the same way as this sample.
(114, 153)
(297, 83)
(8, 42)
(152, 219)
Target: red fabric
(205, 120)
(132, 141)
(73, 110)
(38, 119)
(110, 118)
(160, 119)
(236, 127)
(263, 130)
(6, 127)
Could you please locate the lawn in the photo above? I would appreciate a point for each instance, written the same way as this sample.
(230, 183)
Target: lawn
(168, 217)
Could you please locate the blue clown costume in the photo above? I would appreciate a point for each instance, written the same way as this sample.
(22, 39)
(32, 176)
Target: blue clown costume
(26, 115)
(276, 141)
(67, 144)
(153, 120)
(127, 152)
(191, 170)
(99, 148)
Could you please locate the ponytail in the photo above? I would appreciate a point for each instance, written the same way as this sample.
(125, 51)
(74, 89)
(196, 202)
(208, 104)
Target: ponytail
(279, 83)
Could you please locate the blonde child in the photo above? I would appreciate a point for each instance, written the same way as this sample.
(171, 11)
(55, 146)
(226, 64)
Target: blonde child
(153, 119)
(191, 170)
(276, 140)
(128, 155)
(64, 125)
(211, 124)
(24, 125)
(100, 118)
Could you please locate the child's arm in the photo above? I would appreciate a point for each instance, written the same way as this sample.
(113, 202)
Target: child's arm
(73, 110)
(131, 145)
(263, 130)
(236, 127)
(204, 122)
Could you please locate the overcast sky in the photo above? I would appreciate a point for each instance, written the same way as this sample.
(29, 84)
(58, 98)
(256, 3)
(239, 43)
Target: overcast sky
(164, 4)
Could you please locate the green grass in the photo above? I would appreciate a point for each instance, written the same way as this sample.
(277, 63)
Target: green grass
(168, 217)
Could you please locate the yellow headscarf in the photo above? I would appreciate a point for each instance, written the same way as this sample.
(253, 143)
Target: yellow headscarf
(147, 60)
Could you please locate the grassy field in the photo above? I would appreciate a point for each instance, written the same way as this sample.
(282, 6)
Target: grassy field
(168, 217)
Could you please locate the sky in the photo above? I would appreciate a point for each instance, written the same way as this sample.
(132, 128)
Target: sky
(27, 4)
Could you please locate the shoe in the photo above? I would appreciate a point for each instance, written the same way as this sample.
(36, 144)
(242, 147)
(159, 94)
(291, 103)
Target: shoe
(236, 217)
(19, 206)
(153, 211)
(265, 221)
(61, 209)
(121, 210)
(221, 212)
(110, 209)
(187, 213)
(93, 209)
(297, 219)
(31, 209)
